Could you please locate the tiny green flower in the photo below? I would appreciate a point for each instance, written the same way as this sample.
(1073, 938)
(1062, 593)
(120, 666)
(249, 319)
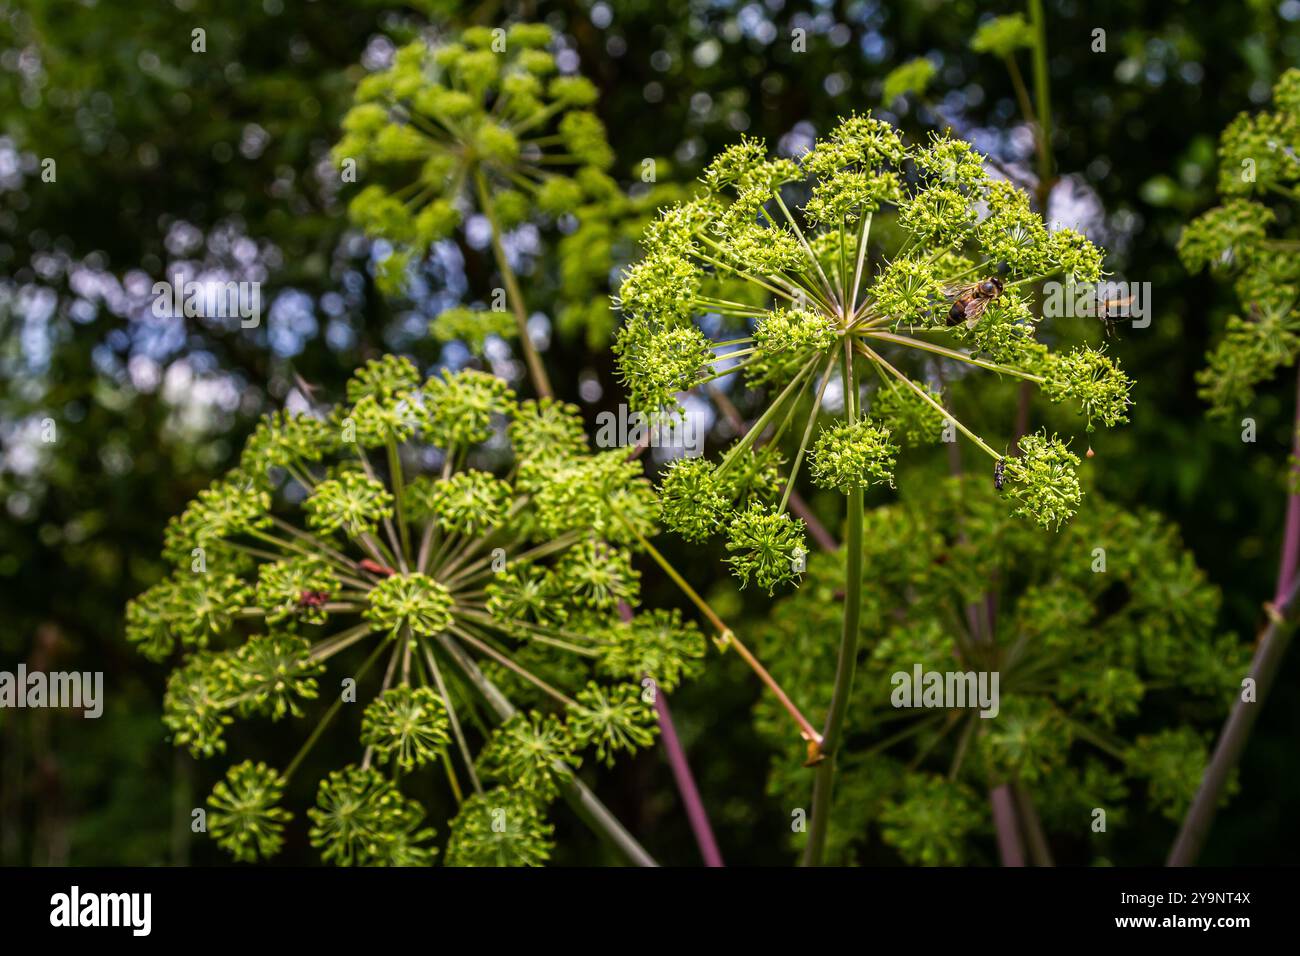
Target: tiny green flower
(931, 821)
(767, 547)
(470, 585)
(231, 507)
(149, 618)
(606, 493)
(470, 502)
(1093, 380)
(1122, 655)
(472, 122)
(196, 705)
(271, 674)
(1075, 256)
(413, 602)
(545, 435)
(790, 337)
(531, 752)
(693, 499)
(796, 300)
(459, 407)
(352, 503)
(361, 819)
(410, 725)
(1172, 762)
(527, 594)
(1236, 240)
(853, 456)
(383, 379)
(499, 828)
(908, 417)
(662, 363)
(939, 215)
(243, 814)
(205, 606)
(282, 440)
(910, 292)
(598, 576)
(1043, 479)
(376, 421)
(611, 720)
(295, 590)
(657, 645)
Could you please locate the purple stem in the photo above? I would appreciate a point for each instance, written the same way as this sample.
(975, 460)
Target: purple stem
(1010, 847)
(1263, 669)
(690, 794)
(1006, 816)
(1291, 540)
(682, 775)
(825, 540)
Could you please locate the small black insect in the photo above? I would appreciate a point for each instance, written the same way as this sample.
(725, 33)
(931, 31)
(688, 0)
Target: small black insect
(998, 468)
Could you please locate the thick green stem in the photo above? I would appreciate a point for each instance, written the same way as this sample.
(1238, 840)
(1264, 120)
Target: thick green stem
(954, 354)
(399, 496)
(456, 729)
(1042, 103)
(536, 371)
(823, 782)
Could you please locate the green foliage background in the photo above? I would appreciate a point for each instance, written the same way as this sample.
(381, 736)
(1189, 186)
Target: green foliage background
(154, 143)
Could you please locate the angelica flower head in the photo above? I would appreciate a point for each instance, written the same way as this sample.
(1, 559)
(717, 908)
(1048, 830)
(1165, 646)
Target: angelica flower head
(485, 123)
(779, 253)
(447, 551)
(1259, 160)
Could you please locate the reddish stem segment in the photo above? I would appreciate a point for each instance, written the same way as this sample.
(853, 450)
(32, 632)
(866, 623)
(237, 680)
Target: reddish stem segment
(1010, 848)
(686, 788)
(1291, 540)
(685, 780)
(1263, 669)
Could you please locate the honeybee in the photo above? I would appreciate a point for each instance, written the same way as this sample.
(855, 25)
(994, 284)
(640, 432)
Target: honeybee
(999, 469)
(970, 301)
(1107, 309)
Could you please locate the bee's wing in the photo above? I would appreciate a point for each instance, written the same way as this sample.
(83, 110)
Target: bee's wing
(1109, 304)
(974, 309)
